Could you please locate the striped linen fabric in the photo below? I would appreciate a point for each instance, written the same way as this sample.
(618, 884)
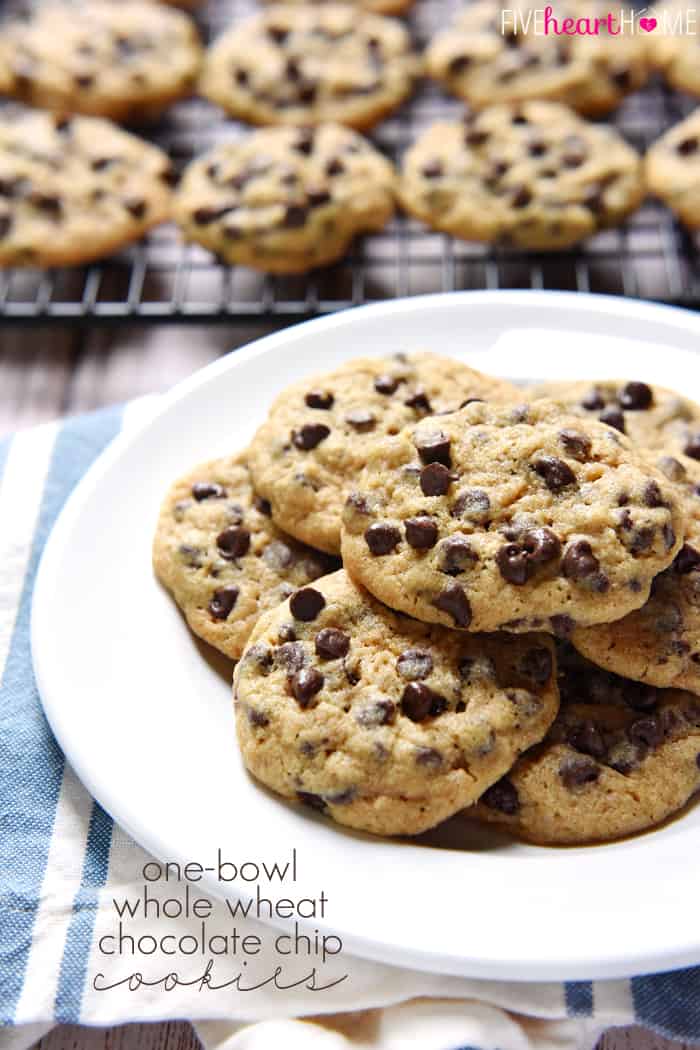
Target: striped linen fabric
(62, 860)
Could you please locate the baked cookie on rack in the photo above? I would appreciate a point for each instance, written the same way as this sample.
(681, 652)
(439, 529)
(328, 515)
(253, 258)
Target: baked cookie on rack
(514, 517)
(485, 57)
(311, 64)
(620, 758)
(379, 7)
(672, 166)
(284, 200)
(218, 552)
(127, 61)
(73, 189)
(675, 47)
(383, 723)
(320, 431)
(534, 176)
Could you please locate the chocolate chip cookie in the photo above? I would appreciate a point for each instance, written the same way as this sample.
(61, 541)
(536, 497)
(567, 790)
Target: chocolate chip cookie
(620, 758)
(284, 200)
(484, 58)
(533, 175)
(320, 431)
(311, 63)
(380, 7)
(127, 60)
(652, 416)
(516, 517)
(675, 49)
(383, 723)
(218, 552)
(75, 189)
(672, 166)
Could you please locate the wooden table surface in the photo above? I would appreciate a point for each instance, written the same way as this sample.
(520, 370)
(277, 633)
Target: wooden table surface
(47, 372)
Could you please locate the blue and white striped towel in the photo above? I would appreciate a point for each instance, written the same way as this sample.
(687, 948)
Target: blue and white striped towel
(62, 860)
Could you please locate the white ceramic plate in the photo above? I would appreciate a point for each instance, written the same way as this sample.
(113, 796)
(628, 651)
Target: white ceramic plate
(146, 720)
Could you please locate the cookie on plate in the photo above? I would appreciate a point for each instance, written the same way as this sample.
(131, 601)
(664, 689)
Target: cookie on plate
(533, 175)
(675, 47)
(672, 166)
(285, 200)
(515, 517)
(484, 58)
(311, 64)
(383, 723)
(320, 430)
(127, 61)
(620, 758)
(222, 558)
(75, 189)
(652, 416)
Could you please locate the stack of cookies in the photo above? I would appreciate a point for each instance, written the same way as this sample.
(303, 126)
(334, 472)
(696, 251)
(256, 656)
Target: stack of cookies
(448, 595)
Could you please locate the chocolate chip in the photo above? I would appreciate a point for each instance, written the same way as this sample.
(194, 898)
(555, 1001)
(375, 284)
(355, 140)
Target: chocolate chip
(207, 490)
(136, 207)
(687, 560)
(421, 532)
(318, 197)
(522, 197)
(319, 399)
(256, 718)
(386, 384)
(361, 420)
(562, 625)
(278, 555)
(652, 496)
(332, 644)
(471, 503)
(688, 146)
(309, 436)
(379, 713)
(428, 756)
(579, 561)
(414, 664)
(233, 542)
(671, 468)
(453, 601)
(290, 655)
(435, 479)
(456, 555)
(503, 797)
(536, 665)
(577, 445)
(593, 400)
(306, 603)
(262, 506)
(222, 602)
(278, 34)
(335, 166)
(635, 396)
(575, 772)
(381, 538)
(295, 216)
(586, 738)
(692, 446)
(647, 732)
(358, 503)
(304, 685)
(312, 801)
(517, 561)
(84, 80)
(261, 656)
(556, 474)
(434, 169)
(613, 417)
(419, 701)
(419, 401)
(457, 65)
(205, 216)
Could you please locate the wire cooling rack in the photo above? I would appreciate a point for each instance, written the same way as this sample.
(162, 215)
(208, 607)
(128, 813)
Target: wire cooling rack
(162, 279)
